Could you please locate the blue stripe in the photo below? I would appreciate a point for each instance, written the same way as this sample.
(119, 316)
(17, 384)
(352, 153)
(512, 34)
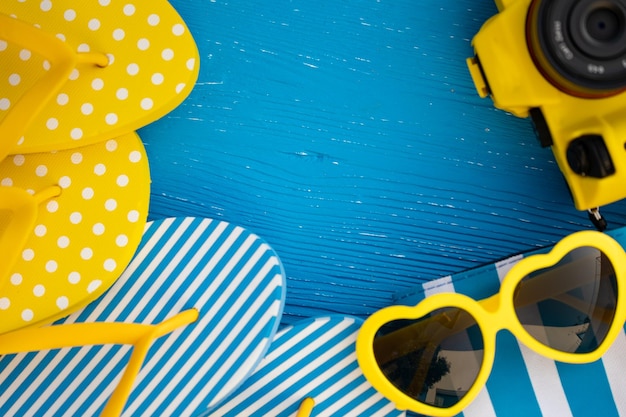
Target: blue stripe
(587, 389)
(509, 382)
(467, 283)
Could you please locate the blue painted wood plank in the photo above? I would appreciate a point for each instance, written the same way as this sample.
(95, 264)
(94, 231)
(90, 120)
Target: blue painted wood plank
(350, 137)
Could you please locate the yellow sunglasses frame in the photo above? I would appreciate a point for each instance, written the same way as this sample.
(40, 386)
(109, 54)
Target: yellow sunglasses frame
(492, 314)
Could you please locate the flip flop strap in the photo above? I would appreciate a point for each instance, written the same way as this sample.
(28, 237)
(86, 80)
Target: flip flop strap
(19, 212)
(306, 407)
(62, 61)
(140, 336)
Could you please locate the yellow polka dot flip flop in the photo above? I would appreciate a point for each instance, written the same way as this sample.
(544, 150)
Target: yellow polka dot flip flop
(70, 221)
(77, 72)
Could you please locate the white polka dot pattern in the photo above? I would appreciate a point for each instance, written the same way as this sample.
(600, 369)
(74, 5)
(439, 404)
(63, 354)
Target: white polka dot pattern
(82, 239)
(153, 65)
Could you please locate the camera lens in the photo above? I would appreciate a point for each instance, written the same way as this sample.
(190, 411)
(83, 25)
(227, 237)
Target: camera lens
(579, 46)
(603, 25)
(598, 29)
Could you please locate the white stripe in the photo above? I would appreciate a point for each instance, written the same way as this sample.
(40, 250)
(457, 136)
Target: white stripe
(546, 383)
(282, 333)
(388, 408)
(385, 406)
(613, 361)
(348, 398)
(439, 285)
(481, 406)
(276, 353)
(503, 267)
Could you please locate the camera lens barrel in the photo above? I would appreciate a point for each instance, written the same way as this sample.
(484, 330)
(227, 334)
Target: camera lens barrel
(579, 46)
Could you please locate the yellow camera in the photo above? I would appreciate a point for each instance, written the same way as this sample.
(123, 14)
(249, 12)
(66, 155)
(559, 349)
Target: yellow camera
(563, 63)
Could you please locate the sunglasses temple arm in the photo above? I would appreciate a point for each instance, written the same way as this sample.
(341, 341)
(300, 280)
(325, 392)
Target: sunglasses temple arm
(140, 336)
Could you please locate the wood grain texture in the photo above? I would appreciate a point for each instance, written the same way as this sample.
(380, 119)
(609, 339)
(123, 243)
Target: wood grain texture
(350, 137)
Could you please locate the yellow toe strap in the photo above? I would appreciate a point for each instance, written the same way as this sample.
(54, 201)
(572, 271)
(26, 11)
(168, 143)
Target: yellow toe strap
(62, 61)
(306, 407)
(18, 213)
(140, 336)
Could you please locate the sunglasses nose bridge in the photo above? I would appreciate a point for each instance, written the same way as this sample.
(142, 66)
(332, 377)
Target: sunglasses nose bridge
(491, 305)
(496, 315)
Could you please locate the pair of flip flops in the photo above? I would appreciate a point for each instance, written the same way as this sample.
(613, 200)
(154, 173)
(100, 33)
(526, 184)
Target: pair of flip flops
(191, 317)
(76, 80)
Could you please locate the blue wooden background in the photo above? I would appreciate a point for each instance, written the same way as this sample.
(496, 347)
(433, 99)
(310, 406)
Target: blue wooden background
(349, 136)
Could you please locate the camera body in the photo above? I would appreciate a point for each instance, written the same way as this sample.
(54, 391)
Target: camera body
(563, 63)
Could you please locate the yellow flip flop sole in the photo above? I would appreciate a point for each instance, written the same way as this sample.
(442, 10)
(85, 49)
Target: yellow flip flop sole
(85, 212)
(77, 72)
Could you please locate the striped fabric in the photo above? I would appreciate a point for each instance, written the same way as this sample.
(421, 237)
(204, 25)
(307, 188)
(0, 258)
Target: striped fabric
(231, 276)
(315, 358)
(523, 383)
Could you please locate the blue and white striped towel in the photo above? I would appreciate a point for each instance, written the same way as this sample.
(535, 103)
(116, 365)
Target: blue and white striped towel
(523, 383)
(231, 276)
(315, 358)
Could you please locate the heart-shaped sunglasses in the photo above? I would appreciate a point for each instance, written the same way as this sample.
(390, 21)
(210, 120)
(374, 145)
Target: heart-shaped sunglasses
(435, 357)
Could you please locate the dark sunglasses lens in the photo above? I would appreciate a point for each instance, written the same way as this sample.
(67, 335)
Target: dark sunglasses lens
(434, 359)
(571, 305)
